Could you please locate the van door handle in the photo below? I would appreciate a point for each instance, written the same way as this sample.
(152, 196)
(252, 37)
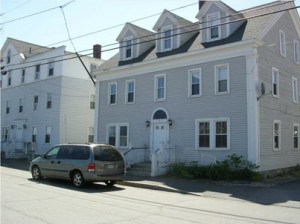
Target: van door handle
(58, 162)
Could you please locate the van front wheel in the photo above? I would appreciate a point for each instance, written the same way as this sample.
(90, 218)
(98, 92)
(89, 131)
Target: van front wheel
(77, 179)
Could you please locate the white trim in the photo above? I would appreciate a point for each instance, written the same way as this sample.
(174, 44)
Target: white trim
(212, 133)
(296, 51)
(117, 134)
(109, 93)
(217, 79)
(156, 77)
(279, 135)
(124, 47)
(190, 79)
(126, 91)
(162, 38)
(208, 26)
(282, 43)
(227, 27)
(298, 135)
(295, 89)
(97, 109)
(273, 82)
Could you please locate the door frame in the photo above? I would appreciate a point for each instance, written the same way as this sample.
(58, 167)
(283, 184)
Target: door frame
(159, 121)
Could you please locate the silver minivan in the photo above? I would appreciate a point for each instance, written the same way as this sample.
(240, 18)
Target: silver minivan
(80, 163)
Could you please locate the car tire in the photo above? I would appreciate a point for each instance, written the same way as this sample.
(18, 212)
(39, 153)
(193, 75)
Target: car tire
(110, 183)
(77, 179)
(36, 173)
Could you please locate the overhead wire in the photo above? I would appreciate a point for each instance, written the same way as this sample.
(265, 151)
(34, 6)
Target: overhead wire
(157, 38)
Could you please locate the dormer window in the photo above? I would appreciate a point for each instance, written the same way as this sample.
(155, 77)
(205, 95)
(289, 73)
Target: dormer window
(213, 28)
(166, 41)
(8, 56)
(128, 48)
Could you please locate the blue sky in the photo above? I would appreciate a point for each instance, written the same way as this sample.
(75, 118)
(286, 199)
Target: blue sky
(91, 16)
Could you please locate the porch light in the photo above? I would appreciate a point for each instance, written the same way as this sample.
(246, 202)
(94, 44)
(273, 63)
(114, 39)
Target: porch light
(147, 123)
(170, 122)
(24, 126)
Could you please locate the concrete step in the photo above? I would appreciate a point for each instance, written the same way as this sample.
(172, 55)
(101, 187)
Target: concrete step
(140, 169)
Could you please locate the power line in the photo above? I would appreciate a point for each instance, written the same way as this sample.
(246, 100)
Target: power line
(194, 30)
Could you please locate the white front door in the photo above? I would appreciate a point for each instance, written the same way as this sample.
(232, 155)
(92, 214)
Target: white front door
(19, 137)
(160, 135)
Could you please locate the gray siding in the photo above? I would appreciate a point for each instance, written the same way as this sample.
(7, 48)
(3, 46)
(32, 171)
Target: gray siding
(181, 109)
(281, 108)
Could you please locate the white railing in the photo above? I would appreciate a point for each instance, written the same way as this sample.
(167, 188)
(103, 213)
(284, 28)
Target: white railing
(161, 159)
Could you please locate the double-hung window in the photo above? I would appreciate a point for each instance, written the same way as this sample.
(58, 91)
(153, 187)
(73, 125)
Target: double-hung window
(34, 134)
(23, 75)
(5, 134)
(48, 134)
(222, 79)
(214, 28)
(295, 89)
(49, 101)
(276, 135)
(296, 52)
(37, 71)
(90, 134)
(92, 101)
(35, 102)
(51, 69)
(275, 82)
(166, 41)
(118, 135)
(21, 105)
(195, 82)
(128, 48)
(160, 87)
(213, 134)
(9, 77)
(7, 110)
(282, 43)
(296, 136)
(8, 59)
(112, 89)
(130, 91)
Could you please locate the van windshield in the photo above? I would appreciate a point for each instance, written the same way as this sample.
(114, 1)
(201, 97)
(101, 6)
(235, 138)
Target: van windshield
(106, 153)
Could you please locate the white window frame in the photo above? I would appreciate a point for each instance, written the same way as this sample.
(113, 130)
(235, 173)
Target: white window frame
(90, 134)
(9, 78)
(190, 82)
(275, 73)
(34, 134)
(92, 101)
(49, 99)
(8, 58)
(156, 78)
(212, 138)
(127, 91)
(282, 43)
(296, 52)
(279, 135)
(47, 133)
(23, 75)
(209, 19)
(37, 73)
(5, 134)
(110, 93)
(35, 104)
(163, 38)
(125, 47)
(21, 105)
(51, 68)
(217, 79)
(7, 107)
(295, 89)
(117, 127)
(296, 136)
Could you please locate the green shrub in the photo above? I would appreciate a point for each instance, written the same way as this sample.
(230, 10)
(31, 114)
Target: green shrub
(233, 168)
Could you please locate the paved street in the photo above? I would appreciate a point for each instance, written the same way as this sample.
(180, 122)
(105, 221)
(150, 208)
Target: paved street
(51, 201)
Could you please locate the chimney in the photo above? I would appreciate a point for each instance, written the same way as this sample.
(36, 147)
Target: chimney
(97, 51)
(201, 3)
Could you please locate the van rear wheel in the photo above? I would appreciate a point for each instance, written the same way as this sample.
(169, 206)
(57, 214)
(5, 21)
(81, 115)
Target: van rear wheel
(77, 179)
(110, 183)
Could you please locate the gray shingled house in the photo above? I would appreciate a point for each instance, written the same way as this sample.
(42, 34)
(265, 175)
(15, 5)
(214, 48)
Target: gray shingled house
(198, 92)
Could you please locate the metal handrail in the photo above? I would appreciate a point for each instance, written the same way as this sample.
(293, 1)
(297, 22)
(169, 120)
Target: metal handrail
(125, 153)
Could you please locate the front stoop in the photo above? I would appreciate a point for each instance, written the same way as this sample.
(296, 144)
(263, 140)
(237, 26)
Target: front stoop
(140, 169)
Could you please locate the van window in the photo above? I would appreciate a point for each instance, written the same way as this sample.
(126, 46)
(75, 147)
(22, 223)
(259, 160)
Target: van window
(104, 153)
(52, 153)
(74, 152)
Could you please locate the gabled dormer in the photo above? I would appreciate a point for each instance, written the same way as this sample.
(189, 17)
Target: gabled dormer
(172, 31)
(216, 21)
(134, 41)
